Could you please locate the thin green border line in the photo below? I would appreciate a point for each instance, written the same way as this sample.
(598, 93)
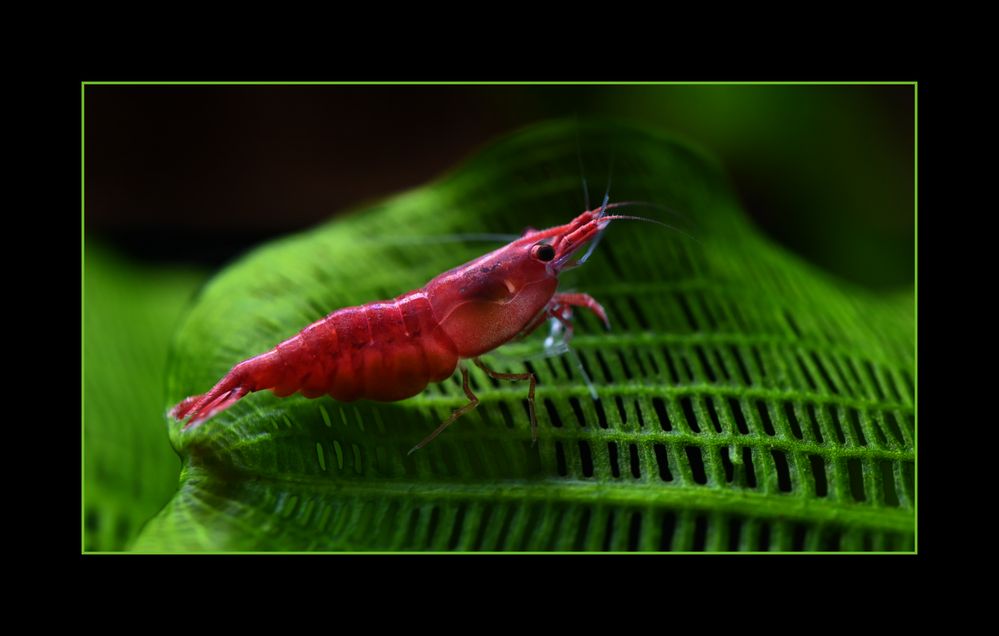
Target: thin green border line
(498, 83)
(83, 393)
(915, 311)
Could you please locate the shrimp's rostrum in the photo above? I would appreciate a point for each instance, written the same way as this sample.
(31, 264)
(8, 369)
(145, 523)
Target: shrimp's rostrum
(391, 350)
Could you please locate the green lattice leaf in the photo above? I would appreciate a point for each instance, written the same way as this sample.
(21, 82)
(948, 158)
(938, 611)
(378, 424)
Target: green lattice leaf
(747, 400)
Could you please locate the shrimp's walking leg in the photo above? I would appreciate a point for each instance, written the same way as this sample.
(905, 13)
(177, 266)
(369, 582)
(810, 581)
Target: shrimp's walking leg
(455, 415)
(530, 392)
(560, 310)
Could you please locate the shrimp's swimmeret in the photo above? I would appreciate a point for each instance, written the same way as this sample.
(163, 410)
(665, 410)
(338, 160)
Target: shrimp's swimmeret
(391, 350)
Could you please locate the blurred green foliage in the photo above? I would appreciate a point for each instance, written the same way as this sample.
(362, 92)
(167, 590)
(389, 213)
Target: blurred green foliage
(130, 471)
(828, 171)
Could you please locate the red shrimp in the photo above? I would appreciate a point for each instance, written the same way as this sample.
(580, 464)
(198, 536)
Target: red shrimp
(391, 350)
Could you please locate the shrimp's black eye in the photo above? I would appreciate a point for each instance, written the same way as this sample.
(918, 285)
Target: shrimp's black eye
(543, 253)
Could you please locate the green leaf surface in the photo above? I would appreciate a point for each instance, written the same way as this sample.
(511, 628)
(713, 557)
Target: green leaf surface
(130, 315)
(748, 401)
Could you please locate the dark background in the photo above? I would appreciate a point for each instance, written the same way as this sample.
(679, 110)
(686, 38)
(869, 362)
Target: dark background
(198, 174)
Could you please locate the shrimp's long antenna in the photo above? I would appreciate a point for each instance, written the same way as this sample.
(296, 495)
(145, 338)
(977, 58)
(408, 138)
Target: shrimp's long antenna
(582, 172)
(615, 217)
(647, 204)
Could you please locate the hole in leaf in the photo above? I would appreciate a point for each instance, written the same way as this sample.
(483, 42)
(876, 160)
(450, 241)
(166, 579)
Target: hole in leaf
(686, 367)
(792, 324)
(709, 403)
(856, 472)
(636, 470)
(674, 377)
(624, 366)
(888, 481)
(737, 356)
(459, 520)
(686, 311)
(759, 361)
(92, 521)
(656, 371)
(688, 411)
(533, 517)
(560, 459)
(696, 462)
(612, 452)
(722, 367)
(601, 414)
(577, 409)
(553, 415)
(358, 467)
(480, 534)
(763, 536)
(435, 515)
(909, 476)
(708, 371)
(635, 530)
(603, 367)
(805, 373)
(663, 462)
(121, 530)
(660, 407)
(584, 361)
(783, 471)
(642, 373)
(411, 525)
(813, 420)
(505, 412)
(727, 464)
(875, 428)
(854, 417)
(586, 458)
(792, 420)
(907, 379)
(798, 534)
(740, 419)
(620, 409)
(700, 533)
(609, 530)
(734, 534)
(768, 425)
(668, 529)
(874, 379)
(893, 429)
(747, 461)
(825, 374)
(583, 530)
(504, 532)
(837, 426)
(819, 473)
(829, 539)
